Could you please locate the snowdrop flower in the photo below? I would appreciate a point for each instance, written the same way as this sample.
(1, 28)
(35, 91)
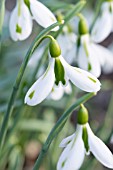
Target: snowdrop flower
(42, 15)
(82, 142)
(104, 23)
(58, 91)
(92, 56)
(59, 71)
(20, 24)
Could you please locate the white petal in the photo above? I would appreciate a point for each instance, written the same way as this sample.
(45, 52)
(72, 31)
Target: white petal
(67, 42)
(57, 92)
(80, 78)
(42, 14)
(24, 21)
(68, 88)
(89, 57)
(73, 155)
(66, 141)
(105, 58)
(102, 27)
(42, 87)
(37, 54)
(99, 149)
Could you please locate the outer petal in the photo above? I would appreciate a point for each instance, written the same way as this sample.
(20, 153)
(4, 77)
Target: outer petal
(66, 141)
(67, 43)
(37, 54)
(42, 14)
(90, 58)
(102, 27)
(99, 149)
(23, 20)
(80, 78)
(105, 58)
(73, 155)
(42, 87)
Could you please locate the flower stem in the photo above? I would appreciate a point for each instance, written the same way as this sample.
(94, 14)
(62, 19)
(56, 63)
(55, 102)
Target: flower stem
(58, 127)
(76, 9)
(18, 81)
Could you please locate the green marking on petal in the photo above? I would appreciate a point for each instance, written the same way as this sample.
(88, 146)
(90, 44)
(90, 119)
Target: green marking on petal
(31, 94)
(85, 138)
(89, 67)
(63, 163)
(59, 72)
(86, 49)
(69, 141)
(110, 8)
(19, 8)
(92, 79)
(27, 2)
(18, 29)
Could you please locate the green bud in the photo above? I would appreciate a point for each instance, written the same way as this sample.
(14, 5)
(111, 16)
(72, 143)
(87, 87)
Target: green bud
(59, 72)
(82, 115)
(83, 27)
(60, 17)
(54, 48)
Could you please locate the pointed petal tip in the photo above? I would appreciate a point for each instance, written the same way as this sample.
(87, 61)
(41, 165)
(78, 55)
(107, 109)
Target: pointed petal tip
(99, 149)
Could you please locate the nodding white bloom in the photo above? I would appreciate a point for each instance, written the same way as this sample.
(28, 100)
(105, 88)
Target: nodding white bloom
(58, 91)
(20, 24)
(59, 71)
(80, 143)
(104, 23)
(92, 56)
(42, 15)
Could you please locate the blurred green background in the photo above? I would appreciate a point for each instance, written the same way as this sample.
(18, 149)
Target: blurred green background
(30, 126)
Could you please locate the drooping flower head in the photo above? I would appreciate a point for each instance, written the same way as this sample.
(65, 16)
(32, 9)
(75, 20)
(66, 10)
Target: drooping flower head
(59, 71)
(91, 56)
(82, 142)
(20, 24)
(104, 23)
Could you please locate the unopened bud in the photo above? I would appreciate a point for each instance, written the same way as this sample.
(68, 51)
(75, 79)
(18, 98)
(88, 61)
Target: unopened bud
(54, 48)
(82, 115)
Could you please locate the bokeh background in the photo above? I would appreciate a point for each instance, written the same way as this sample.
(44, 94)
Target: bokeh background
(30, 126)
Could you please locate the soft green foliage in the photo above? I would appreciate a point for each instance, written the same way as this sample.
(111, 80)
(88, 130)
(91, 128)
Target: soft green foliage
(24, 129)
